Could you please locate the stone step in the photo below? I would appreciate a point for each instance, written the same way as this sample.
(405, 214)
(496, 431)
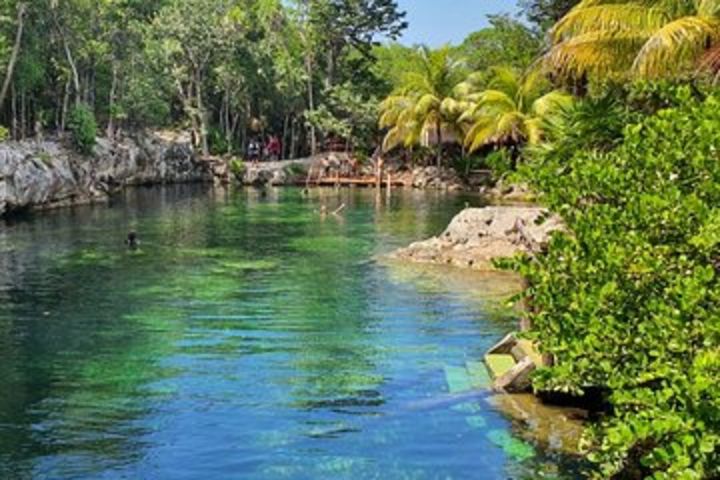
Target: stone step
(479, 375)
(458, 379)
(499, 364)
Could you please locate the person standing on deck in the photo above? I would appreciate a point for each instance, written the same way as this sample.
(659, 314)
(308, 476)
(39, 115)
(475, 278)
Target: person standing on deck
(273, 148)
(254, 151)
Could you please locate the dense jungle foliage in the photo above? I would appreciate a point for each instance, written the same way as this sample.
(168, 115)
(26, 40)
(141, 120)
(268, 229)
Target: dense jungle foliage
(627, 300)
(311, 72)
(225, 69)
(614, 123)
(607, 108)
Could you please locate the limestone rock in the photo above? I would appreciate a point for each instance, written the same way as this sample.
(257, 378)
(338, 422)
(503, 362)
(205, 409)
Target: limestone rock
(477, 236)
(436, 178)
(279, 173)
(46, 174)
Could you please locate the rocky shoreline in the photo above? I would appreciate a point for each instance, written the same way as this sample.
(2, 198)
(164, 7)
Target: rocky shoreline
(474, 239)
(328, 166)
(478, 236)
(49, 174)
(44, 174)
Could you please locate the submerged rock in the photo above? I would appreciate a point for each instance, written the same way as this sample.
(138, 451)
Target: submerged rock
(555, 428)
(47, 174)
(477, 236)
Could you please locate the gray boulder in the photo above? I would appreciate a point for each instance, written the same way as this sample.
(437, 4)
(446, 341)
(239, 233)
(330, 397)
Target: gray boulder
(47, 174)
(477, 236)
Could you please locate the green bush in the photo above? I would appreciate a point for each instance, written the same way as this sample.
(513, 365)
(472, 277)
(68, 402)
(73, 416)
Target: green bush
(629, 301)
(4, 134)
(237, 167)
(217, 142)
(83, 128)
(500, 162)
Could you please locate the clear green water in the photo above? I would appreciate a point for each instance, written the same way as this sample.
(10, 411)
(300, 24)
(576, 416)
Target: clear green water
(248, 338)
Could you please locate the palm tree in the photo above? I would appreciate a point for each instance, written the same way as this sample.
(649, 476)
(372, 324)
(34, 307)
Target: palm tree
(637, 38)
(512, 111)
(423, 104)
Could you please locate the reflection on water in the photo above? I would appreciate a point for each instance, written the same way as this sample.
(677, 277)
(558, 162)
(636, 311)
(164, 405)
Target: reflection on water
(248, 337)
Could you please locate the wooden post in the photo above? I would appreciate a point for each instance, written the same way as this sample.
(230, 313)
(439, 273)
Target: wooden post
(380, 167)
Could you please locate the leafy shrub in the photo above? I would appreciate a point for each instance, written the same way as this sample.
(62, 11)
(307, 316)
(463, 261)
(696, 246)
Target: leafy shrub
(217, 141)
(146, 101)
(237, 167)
(629, 301)
(4, 134)
(83, 128)
(500, 162)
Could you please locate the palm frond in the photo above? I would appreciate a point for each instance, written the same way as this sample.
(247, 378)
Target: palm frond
(504, 79)
(708, 8)
(510, 126)
(618, 17)
(480, 134)
(675, 46)
(427, 104)
(595, 53)
(535, 130)
(552, 103)
(491, 100)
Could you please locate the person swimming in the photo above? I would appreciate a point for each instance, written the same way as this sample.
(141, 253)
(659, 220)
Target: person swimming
(132, 240)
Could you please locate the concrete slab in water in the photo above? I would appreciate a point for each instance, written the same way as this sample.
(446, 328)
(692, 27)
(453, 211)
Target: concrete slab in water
(457, 379)
(499, 364)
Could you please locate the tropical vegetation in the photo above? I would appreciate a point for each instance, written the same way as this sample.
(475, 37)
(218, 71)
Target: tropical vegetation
(626, 303)
(615, 126)
(635, 38)
(607, 108)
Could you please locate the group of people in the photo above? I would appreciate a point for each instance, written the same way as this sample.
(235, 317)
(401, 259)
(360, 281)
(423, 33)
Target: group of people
(259, 150)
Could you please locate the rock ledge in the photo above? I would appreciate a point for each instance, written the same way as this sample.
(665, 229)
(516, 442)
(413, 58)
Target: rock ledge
(477, 236)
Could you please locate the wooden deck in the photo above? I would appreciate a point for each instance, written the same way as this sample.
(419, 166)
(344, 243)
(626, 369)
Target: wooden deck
(351, 182)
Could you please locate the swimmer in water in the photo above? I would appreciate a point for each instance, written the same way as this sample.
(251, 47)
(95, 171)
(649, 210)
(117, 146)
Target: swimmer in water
(132, 240)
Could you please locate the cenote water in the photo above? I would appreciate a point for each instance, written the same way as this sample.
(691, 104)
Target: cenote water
(248, 338)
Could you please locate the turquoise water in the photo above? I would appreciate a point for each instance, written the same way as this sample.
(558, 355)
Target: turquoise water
(248, 338)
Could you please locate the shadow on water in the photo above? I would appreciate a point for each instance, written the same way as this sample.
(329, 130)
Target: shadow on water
(247, 337)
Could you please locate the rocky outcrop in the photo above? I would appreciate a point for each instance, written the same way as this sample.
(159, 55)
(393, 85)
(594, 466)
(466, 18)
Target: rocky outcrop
(47, 174)
(287, 172)
(432, 178)
(477, 236)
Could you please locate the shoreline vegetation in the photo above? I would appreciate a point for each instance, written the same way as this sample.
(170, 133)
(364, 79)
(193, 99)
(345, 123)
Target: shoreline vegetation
(607, 112)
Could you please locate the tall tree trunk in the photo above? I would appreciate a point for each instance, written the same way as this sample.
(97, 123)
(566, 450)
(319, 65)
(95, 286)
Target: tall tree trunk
(23, 114)
(438, 130)
(21, 9)
(202, 117)
(71, 62)
(330, 73)
(13, 109)
(111, 102)
(227, 121)
(293, 138)
(233, 130)
(286, 122)
(186, 98)
(311, 102)
(65, 106)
